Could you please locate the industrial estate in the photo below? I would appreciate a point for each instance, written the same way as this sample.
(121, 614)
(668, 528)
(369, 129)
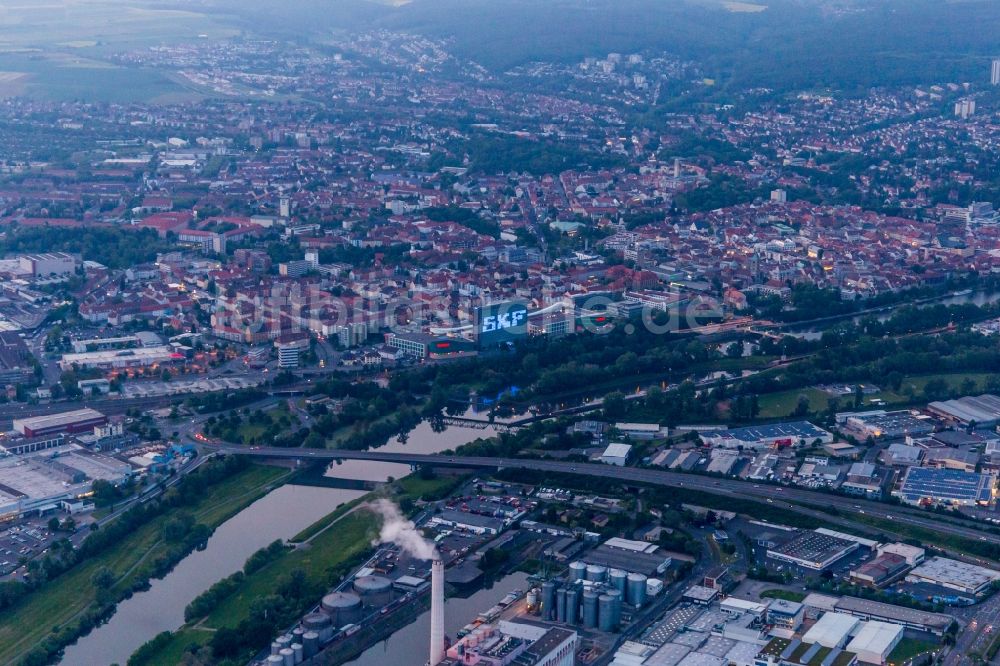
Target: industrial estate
(432, 333)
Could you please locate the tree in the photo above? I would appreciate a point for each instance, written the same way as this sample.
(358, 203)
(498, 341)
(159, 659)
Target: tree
(614, 405)
(802, 407)
(53, 524)
(103, 578)
(936, 389)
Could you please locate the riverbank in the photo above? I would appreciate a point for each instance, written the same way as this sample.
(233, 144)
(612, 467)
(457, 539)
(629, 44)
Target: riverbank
(52, 616)
(324, 553)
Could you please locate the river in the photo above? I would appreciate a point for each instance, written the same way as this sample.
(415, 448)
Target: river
(409, 644)
(979, 298)
(422, 439)
(281, 514)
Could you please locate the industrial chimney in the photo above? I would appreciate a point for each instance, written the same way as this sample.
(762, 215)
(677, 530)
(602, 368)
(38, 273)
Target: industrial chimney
(437, 612)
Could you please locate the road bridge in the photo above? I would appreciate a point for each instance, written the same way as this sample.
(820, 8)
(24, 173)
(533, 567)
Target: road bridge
(851, 512)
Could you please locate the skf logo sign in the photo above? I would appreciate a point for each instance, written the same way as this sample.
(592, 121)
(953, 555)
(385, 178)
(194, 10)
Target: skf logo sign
(503, 321)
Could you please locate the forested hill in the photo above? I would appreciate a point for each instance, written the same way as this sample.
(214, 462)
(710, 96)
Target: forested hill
(791, 44)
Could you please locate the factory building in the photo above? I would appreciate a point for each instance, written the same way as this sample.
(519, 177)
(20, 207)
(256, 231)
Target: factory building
(879, 572)
(469, 522)
(514, 643)
(866, 609)
(913, 555)
(882, 425)
(616, 454)
(631, 556)
(776, 435)
(813, 550)
(983, 410)
(923, 485)
(875, 641)
(950, 574)
(832, 630)
(78, 421)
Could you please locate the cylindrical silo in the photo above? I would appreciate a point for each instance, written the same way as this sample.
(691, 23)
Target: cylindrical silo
(636, 590)
(342, 607)
(297, 634)
(617, 579)
(561, 605)
(374, 591)
(573, 605)
(533, 598)
(310, 644)
(577, 571)
(288, 656)
(275, 660)
(548, 600)
(299, 652)
(590, 609)
(616, 608)
(605, 613)
(275, 646)
(596, 573)
(284, 641)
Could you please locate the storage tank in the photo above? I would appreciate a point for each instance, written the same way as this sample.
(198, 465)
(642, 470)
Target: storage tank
(299, 652)
(275, 660)
(373, 590)
(590, 609)
(284, 641)
(616, 608)
(533, 598)
(548, 600)
(310, 644)
(321, 623)
(561, 605)
(342, 607)
(577, 571)
(275, 646)
(297, 634)
(596, 573)
(287, 656)
(636, 590)
(573, 605)
(617, 578)
(605, 613)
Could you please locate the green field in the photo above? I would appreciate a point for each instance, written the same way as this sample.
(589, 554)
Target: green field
(780, 405)
(61, 600)
(787, 595)
(59, 50)
(55, 78)
(909, 648)
(783, 403)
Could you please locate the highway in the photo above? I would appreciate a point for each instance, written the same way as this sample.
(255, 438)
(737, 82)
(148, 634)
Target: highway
(788, 498)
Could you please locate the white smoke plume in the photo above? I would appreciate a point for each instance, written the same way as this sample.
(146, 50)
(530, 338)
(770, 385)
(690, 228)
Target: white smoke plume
(397, 529)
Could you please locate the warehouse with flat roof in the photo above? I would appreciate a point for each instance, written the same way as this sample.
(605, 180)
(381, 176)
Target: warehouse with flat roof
(923, 485)
(954, 575)
(875, 641)
(832, 630)
(765, 436)
(867, 609)
(74, 422)
(813, 550)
